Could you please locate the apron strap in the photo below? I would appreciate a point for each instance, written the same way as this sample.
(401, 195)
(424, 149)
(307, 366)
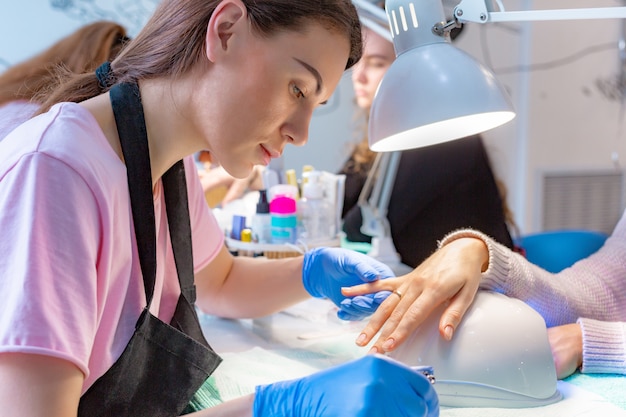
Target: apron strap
(134, 142)
(177, 207)
(129, 117)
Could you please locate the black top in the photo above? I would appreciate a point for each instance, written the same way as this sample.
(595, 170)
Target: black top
(438, 189)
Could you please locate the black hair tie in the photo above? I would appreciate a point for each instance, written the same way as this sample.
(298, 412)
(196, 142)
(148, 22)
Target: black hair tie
(103, 74)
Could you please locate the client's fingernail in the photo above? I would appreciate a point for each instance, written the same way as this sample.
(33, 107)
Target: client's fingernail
(373, 350)
(361, 339)
(388, 345)
(447, 332)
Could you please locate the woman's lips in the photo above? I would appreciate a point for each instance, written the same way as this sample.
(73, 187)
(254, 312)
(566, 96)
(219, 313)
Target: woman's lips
(360, 93)
(268, 154)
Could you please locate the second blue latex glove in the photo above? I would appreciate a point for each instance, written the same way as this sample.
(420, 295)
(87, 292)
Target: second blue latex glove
(372, 386)
(326, 270)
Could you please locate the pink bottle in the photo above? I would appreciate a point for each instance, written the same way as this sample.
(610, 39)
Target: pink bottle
(283, 219)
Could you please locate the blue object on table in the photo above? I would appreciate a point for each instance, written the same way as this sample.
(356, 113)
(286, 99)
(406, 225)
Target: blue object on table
(609, 386)
(239, 223)
(558, 249)
(362, 247)
(373, 385)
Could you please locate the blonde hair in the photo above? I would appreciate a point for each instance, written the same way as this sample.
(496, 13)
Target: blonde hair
(362, 157)
(509, 218)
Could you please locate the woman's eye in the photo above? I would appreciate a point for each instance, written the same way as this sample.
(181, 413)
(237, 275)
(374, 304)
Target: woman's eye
(379, 63)
(297, 92)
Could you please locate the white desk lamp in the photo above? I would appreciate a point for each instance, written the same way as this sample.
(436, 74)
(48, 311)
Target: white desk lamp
(433, 92)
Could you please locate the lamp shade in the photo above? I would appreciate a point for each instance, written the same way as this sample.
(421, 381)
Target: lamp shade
(433, 92)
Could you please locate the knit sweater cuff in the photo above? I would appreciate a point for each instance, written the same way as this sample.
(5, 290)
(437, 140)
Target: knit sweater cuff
(498, 267)
(604, 346)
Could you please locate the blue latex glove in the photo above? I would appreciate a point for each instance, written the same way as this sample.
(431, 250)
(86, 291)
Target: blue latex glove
(326, 270)
(356, 308)
(372, 386)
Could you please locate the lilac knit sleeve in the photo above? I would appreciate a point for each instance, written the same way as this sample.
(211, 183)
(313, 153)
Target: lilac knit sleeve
(593, 291)
(604, 346)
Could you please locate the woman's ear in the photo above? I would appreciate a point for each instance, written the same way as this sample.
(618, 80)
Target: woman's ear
(228, 18)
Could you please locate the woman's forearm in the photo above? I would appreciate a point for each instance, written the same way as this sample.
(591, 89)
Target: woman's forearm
(253, 287)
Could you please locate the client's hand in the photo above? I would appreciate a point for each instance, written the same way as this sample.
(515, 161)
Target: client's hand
(218, 177)
(373, 385)
(567, 348)
(451, 275)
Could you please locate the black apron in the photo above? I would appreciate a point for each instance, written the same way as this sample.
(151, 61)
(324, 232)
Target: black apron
(163, 365)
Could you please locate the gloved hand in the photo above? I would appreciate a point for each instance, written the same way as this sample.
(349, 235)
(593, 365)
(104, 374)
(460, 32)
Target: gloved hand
(372, 386)
(356, 308)
(326, 270)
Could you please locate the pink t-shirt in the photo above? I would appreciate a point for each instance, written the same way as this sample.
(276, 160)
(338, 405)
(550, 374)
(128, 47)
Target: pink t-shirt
(70, 279)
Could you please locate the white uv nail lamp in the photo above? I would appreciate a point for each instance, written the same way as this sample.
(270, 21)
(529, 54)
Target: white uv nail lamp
(499, 356)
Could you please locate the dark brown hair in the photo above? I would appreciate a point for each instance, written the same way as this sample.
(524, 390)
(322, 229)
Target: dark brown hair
(79, 52)
(173, 40)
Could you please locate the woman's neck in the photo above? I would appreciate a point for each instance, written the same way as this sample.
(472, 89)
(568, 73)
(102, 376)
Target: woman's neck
(171, 136)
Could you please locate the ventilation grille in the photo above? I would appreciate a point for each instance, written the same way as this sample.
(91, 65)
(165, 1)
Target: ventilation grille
(582, 200)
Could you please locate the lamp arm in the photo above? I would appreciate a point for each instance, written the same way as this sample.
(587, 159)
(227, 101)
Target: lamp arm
(372, 224)
(374, 198)
(478, 11)
(391, 169)
(373, 17)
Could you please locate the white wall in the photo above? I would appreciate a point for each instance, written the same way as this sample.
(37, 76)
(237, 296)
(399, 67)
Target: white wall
(563, 120)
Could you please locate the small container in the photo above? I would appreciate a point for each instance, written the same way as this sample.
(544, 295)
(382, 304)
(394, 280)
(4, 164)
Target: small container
(239, 223)
(292, 180)
(262, 220)
(315, 214)
(283, 219)
(246, 237)
(305, 174)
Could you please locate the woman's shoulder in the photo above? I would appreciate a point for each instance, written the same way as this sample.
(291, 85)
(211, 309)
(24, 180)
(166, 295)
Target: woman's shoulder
(67, 133)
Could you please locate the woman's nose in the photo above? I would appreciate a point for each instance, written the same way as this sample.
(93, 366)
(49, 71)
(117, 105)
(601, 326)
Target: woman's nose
(297, 128)
(358, 73)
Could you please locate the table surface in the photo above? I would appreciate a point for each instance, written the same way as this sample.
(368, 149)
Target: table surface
(309, 337)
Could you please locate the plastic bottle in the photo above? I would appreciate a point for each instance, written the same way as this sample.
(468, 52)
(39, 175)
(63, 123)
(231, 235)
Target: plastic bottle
(262, 221)
(283, 219)
(305, 173)
(315, 213)
(239, 223)
(292, 179)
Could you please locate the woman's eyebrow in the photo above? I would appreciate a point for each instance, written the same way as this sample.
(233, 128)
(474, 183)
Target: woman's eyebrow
(315, 73)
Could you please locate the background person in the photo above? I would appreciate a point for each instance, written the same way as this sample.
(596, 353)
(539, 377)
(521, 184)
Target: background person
(437, 188)
(81, 51)
(220, 188)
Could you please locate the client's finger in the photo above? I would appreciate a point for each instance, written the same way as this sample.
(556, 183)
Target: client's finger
(408, 314)
(454, 312)
(388, 284)
(379, 317)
